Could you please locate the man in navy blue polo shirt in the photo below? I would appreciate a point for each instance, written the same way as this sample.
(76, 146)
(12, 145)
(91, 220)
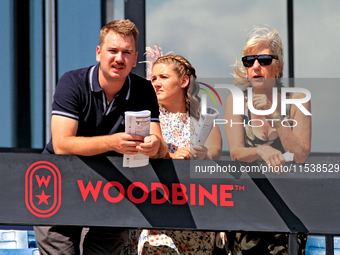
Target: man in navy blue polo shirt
(88, 119)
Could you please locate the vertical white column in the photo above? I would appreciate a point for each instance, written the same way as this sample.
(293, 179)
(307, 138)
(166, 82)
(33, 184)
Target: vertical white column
(109, 11)
(50, 63)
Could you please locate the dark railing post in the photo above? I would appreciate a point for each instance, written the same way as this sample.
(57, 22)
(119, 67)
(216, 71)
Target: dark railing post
(22, 74)
(329, 244)
(107, 11)
(135, 11)
(290, 29)
(103, 11)
(292, 244)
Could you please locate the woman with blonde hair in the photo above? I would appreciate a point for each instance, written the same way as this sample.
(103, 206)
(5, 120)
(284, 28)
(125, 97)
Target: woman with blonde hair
(174, 81)
(261, 69)
(270, 136)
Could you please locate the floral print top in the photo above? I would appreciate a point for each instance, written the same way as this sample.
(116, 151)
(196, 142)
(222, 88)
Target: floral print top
(176, 129)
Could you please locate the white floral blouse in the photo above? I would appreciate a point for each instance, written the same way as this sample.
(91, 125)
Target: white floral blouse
(176, 129)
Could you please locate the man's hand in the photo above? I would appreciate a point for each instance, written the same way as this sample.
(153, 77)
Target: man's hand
(150, 146)
(127, 143)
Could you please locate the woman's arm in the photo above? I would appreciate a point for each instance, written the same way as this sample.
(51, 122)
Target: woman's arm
(181, 153)
(214, 144)
(298, 139)
(212, 148)
(235, 135)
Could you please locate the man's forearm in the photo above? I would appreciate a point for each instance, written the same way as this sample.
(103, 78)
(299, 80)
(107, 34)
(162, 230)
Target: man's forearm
(83, 146)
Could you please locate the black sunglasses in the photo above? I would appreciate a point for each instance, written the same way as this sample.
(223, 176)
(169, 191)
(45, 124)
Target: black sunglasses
(264, 60)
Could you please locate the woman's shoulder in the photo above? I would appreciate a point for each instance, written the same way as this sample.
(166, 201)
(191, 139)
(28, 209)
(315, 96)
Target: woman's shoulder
(244, 93)
(296, 95)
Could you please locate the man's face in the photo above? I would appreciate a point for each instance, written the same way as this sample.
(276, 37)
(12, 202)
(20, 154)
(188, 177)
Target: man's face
(116, 56)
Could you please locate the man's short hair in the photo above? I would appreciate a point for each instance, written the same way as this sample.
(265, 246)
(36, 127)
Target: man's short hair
(122, 27)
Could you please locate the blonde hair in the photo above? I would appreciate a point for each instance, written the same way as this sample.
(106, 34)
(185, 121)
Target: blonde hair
(183, 67)
(260, 36)
(122, 27)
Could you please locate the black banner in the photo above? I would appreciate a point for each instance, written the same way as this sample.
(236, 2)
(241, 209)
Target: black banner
(40, 189)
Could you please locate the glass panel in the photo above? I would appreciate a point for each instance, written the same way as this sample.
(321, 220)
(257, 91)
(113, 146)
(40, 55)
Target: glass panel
(78, 34)
(7, 124)
(317, 37)
(118, 9)
(211, 34)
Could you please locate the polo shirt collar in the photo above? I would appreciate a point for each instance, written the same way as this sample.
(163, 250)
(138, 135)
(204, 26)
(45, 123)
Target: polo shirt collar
(94, 82)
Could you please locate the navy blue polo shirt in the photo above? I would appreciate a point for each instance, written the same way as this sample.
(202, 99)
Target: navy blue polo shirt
(79, 96)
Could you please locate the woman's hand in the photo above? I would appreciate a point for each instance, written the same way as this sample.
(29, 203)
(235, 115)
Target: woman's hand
(272, 157)
(262, 102)
(182, 153)
(199, 152)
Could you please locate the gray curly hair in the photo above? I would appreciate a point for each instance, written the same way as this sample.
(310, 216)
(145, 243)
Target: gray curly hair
(260, 36)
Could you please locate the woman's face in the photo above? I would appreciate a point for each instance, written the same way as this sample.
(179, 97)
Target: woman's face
(169, 87)
(260, 76)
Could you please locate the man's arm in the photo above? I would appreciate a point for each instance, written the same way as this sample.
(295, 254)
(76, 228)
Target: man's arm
(154, 146)
(65, 141)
